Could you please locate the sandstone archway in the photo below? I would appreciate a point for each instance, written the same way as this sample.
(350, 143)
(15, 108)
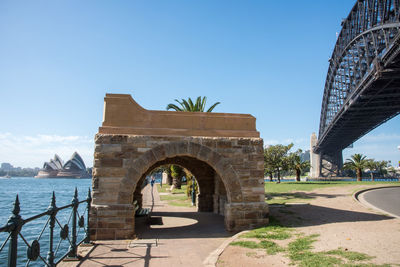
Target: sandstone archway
(221, 148)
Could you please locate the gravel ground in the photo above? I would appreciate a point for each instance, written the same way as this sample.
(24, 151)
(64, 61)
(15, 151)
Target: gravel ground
(339, 220)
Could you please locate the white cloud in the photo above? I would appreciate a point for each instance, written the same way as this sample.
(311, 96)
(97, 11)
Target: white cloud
(33, 151)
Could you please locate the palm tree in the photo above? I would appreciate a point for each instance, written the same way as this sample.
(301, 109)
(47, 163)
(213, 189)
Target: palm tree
(177, 174)
(358, 162)
(189, 106)
(295, 163)
(372, 165)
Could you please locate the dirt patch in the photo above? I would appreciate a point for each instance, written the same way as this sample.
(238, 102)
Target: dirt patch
(340, 222)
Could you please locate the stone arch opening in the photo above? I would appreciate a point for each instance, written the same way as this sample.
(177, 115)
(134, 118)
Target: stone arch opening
(218, 182)
(211, 198)
(212, 194)
(181, 153)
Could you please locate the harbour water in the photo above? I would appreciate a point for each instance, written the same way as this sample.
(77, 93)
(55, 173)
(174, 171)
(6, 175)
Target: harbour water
(35, 196)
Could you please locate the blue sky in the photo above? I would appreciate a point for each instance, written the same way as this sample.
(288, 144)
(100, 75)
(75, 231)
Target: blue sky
(266, 58)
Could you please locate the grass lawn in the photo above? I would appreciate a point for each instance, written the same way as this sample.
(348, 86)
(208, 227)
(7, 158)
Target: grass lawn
(299, 248)
(288, 192)
(175, 198)
(165, 189)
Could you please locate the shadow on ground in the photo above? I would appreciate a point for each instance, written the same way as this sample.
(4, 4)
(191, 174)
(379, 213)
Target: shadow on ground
(282, 197)
(116, 252)
(310, 215)
(200, 225)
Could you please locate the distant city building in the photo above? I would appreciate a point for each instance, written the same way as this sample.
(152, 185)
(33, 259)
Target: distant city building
(55, 168)
(305, 156)
(6, 166)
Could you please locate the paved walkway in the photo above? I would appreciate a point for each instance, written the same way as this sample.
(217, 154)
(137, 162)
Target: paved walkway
(177, 236)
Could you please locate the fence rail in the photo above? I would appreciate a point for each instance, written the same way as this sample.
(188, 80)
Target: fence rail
(15, 224)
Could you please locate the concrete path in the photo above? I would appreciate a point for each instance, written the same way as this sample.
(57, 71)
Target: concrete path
(177, 236)
(384, 199)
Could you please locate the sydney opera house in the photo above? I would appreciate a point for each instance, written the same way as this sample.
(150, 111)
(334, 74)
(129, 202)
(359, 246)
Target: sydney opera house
(55, 168)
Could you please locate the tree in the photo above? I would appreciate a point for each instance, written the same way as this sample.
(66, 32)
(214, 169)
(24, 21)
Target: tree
(372, 165)
(297, 164)
(189, 106)
(177, 174)
(190, 181)
(357, 162)
(382, 166)
(275, 158)
(392, 171)
(268, 169)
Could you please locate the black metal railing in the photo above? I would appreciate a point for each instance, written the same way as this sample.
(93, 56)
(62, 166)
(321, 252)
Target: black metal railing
(15, 224)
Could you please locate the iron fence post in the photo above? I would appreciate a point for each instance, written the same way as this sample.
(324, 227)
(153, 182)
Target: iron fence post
(16, 223)
(72, 247)
(52, 211)
(89, 201)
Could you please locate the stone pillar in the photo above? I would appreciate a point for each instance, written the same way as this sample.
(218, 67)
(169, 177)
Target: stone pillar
(331, 163)
(205, 179)
(315, 159)
(205, 203)
(138, 196)
(326, 163)
(217, 183)
(242, 216)
(219, 196)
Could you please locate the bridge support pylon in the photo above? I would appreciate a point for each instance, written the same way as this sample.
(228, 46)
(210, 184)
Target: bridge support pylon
(324, 163)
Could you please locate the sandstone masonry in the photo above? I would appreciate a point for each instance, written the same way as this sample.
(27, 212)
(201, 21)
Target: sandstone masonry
(229, 170)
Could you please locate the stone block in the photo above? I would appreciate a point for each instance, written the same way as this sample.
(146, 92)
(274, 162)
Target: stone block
(256, 173)
(124, 198)
(181, 148)
(243, 142)
(224, 144)
(251, 198)
(256, 142)
(140, 165)
(137, 140)
(143, 149)
(209, 143)
(250, 183)
(97, 148)
(194, 149)
(159, 152)
(105, 234)
(129, 148)
(107, 162)
(106, 148)
(204, 154)
(118, 139)
(96, 163)
(148, 158)
(109, 172)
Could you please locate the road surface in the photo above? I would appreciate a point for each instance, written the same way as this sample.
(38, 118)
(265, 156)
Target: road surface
(386, 199)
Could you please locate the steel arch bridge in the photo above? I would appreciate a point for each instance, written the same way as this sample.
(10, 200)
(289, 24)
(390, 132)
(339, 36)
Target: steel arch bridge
(362, 88)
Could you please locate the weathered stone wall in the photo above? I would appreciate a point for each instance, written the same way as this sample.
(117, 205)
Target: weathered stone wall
(122, 160)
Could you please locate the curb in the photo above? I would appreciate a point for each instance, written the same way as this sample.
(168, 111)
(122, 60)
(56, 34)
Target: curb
(358, 196)
(212, 258)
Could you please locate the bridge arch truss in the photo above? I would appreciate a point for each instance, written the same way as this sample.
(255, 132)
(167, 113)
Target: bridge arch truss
(362, 88)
